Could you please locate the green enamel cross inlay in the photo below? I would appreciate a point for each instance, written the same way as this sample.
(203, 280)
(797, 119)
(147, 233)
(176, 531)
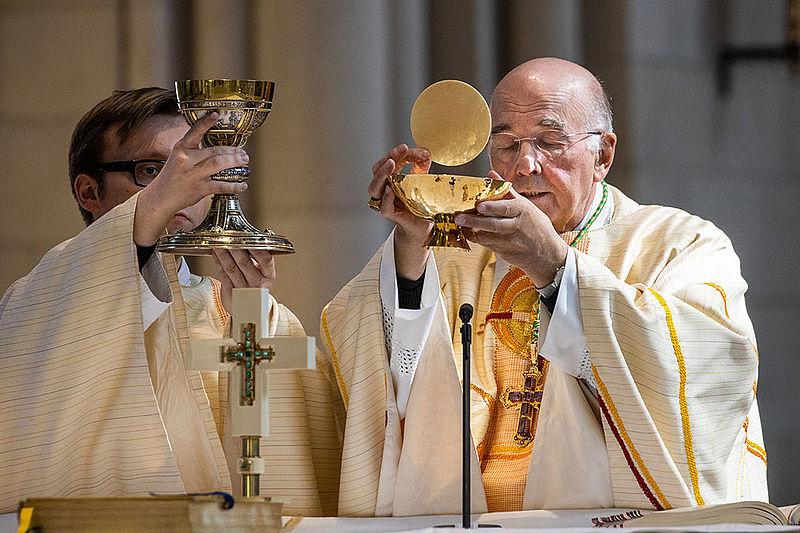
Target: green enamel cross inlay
(247, 354)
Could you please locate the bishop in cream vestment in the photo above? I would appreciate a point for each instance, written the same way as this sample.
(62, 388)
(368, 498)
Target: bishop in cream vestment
(669, 418)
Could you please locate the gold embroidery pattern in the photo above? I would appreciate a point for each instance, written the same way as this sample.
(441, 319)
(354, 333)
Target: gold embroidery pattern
(520, 375)
(335, 358)
(721, 291)
(581, 245)
(515, 306)
(216, 290)
(752, 447)
(514, 315)
(687, 431)
(508, 452)
(626, 443)
(487, 398)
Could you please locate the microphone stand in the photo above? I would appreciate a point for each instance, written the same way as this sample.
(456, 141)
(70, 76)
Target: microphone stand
(465, 314)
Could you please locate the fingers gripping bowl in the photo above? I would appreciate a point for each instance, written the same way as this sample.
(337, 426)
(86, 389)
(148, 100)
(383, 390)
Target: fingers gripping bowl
(438, 197)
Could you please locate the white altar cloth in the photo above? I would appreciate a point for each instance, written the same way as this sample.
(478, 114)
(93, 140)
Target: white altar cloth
(516, 522)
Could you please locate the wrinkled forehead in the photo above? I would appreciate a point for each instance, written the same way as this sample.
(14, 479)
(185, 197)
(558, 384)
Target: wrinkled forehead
(531, 103)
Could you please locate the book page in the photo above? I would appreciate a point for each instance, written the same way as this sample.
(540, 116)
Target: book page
(792, 513)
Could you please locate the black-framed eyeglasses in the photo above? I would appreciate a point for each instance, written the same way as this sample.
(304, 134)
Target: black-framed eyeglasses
(143, 171)
(551, 143)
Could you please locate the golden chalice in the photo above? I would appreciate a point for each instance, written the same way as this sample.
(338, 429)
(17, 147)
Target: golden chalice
(439, 197)
(451, 120)
(243, 105)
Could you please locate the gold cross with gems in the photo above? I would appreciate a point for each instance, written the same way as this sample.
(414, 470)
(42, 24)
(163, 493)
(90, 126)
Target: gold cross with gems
(529, 399)
(247, 354)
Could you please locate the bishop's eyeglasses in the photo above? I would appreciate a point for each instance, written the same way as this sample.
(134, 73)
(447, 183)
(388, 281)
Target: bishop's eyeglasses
(143, 171)
(550, 143)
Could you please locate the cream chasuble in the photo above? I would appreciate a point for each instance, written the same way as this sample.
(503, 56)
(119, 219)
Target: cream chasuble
(673, 356)
(93, 403)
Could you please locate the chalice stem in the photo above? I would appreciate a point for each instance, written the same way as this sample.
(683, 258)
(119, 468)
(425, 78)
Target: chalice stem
(446, 233)
(225, 214)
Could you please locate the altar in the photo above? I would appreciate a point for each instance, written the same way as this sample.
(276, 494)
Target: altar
(513, 522)
(520, 521)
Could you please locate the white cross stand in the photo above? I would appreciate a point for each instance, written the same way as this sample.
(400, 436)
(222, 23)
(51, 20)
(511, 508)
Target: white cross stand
(248, 356)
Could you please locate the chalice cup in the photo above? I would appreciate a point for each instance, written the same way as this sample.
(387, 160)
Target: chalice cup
(243, 105)
(439, 197)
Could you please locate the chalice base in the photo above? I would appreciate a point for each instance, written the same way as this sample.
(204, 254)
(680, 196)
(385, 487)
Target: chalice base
(446, 233)
(224, 227)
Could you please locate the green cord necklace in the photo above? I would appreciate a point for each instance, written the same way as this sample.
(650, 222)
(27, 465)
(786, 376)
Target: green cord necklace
(594, 216)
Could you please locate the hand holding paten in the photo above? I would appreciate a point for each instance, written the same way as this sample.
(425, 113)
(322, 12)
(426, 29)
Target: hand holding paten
(410, 230)
(392, 209)
(451, 120)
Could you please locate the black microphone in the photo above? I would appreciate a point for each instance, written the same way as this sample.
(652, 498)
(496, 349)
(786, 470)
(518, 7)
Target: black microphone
(465, 313)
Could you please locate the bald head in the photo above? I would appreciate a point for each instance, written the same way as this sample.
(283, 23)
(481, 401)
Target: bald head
(555, 82)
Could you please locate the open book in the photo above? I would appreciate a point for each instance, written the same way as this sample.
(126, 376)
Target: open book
(747, 512)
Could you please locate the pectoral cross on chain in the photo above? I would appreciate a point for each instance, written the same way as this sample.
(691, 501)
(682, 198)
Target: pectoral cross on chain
(528, 399)
(248, 356)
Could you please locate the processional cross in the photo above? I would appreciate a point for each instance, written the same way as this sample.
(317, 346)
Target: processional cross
(248, 356)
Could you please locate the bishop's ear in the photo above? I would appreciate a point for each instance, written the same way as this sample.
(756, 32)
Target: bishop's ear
(87, 191)
(605, 155)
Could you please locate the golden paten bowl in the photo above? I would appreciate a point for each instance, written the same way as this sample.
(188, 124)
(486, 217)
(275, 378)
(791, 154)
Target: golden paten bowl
(439, 197)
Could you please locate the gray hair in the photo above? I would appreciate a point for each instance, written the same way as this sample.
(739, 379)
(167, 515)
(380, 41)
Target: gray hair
(600, 117)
